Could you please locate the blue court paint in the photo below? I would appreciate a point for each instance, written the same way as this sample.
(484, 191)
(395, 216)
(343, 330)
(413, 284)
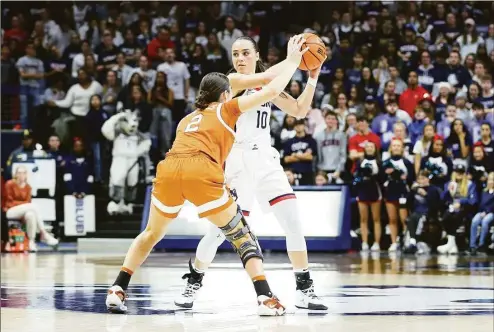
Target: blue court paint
(348, 300)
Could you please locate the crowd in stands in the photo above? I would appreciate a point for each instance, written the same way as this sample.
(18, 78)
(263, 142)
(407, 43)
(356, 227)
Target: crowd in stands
(403, 112)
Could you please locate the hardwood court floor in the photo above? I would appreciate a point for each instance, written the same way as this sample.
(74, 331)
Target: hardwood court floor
(66, 292)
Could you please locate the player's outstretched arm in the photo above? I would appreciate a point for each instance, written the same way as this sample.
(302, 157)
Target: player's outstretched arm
(241, 82)
(299, 107)
(276, 86)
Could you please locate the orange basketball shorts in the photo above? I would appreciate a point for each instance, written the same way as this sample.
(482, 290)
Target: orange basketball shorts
(192, 177)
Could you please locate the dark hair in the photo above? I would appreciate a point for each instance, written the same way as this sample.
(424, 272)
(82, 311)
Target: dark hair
(211, 87)
(331, 113)
(425, 173)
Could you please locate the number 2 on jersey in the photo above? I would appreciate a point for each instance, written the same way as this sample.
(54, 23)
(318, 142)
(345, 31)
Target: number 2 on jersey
(193, 124)
(262, 119)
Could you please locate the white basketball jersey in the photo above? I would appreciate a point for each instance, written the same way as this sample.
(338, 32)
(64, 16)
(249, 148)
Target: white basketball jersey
(253, 126)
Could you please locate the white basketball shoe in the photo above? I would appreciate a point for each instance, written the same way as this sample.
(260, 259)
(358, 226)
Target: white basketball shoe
(115, 300)
(269, 306)
(307, 299)
(187, 298)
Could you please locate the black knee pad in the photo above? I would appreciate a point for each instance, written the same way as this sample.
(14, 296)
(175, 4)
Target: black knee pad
(243, 241)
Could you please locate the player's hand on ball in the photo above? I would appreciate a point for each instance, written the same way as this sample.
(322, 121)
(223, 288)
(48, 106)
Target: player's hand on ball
(294, 52)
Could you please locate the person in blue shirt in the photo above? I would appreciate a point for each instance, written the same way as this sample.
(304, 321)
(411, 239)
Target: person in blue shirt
(23, 153)
(78, 171)
(416, 128)
(424, 201)
(459, 196)
(487, 94)
(458, 75)
(479, 118)
(426, 72)
(459, 141)
(299, 153)
(483, 218)
(354, 74)
(397, 174)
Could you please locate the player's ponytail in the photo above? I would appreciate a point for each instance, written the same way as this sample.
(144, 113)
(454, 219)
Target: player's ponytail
(211, 87)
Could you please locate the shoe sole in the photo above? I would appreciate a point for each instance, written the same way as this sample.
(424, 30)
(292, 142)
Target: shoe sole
(312, 306)
(184, 305)
(264, 311)
(114, 309)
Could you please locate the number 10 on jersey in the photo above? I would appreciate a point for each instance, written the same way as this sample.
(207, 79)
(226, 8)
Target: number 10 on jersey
(262, 119)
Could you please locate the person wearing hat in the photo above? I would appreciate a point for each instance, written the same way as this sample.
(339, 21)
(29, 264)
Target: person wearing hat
(459, 196)
(470, 39)
(23, 153)
(299, 153)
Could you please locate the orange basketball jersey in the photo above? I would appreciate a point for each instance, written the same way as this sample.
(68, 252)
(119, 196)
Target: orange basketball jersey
(210, 131)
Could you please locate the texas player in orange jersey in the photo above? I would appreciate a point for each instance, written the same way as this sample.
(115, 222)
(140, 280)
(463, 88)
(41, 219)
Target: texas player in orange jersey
(193, 171)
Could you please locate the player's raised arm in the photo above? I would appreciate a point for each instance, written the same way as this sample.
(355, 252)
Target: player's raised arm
(241, 82)
(299, 107)
(276, 86)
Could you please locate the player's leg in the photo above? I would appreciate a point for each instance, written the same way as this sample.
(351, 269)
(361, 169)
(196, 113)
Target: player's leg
(242, 190)
(236, 230)
(215, 203)
(274, 188)
(165, 206)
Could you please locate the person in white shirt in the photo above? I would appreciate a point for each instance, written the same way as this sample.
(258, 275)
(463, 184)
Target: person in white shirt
(178, 80)
(78, 96)
(124, 71)
(148, 75)
(469, 41)
(78, 61)
(228, 36)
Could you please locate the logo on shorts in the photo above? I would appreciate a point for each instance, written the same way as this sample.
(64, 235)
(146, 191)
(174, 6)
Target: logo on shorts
(233, 192)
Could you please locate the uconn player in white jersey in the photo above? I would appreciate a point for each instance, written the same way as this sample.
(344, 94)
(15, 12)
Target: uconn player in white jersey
(253, 171)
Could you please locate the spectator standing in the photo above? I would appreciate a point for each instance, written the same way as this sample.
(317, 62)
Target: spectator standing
(459, 141)
(470, 40)
(77, 100)
(122, 70)
(161, 41)
(299, 153)
(94, 138)
(161, 99)
(148, 75)
(178, 80)
(331, 148)
(80, 59)
(487, 141)
(228, 35)
(357, 143)
(107, 54)
(78, 171)
(216, 55)
(444, 126)
(368, 192)
(411, 96)
(458, 75)
(31, 72)
(479, 117)
(487, 94)
(110, 92)
(397, 175)
(130, 48)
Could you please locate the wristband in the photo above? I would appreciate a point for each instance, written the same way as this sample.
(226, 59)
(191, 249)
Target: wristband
(312, 81)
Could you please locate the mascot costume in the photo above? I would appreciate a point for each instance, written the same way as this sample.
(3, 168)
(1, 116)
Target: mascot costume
(128, 146)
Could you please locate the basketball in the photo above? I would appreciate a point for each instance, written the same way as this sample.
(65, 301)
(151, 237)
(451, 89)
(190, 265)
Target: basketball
(316, 53)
